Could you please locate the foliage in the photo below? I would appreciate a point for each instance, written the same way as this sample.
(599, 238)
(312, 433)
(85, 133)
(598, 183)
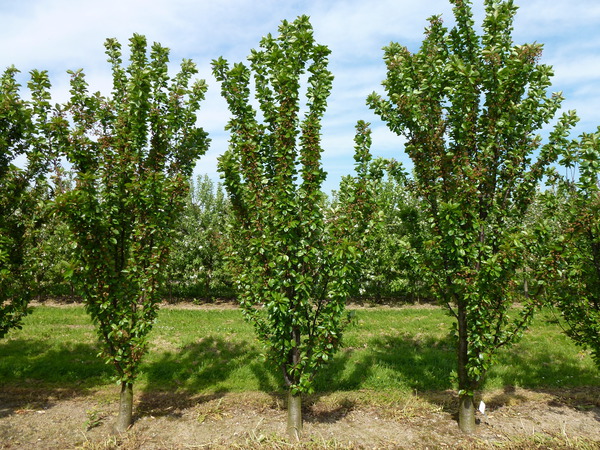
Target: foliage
(28, 131)
(197, 265)
(297, 263)
(52, 255)
(132, 154)
(470, 108)
(391, 271)
(575, 207)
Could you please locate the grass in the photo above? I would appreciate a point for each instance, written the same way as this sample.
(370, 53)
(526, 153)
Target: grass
(388, 352)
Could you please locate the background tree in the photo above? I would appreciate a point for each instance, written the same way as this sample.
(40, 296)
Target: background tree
(197, 265)
(52, 258)
(296, 263)
(132, 155)
(391, 273)
(574, 206)
(28, 130)
(52, 255)
(470, 108)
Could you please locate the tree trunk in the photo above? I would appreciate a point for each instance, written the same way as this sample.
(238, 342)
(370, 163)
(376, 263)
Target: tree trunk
(294, 419)
(125, 408)
(466, 413)
(466, 408)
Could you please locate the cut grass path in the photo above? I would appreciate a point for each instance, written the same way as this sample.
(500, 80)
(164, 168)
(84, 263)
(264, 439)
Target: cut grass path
(212, 351)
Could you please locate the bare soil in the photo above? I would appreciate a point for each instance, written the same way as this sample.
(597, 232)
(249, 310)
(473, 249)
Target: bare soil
(32, 418)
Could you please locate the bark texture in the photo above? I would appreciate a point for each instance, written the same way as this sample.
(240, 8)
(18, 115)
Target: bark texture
(124, 418)
(466, 407)
(466, 414)
(294, 422)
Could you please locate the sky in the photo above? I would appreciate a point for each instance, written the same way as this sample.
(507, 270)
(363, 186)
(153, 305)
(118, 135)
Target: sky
(61, 35)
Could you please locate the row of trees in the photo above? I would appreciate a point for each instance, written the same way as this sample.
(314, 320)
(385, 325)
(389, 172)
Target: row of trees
(469, 227)
(198, 267)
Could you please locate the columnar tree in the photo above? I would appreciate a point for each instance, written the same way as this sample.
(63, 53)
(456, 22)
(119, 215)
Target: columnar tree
(132, 154)
(296, 263)
(575, 207)
(28, 131)
(471, 108)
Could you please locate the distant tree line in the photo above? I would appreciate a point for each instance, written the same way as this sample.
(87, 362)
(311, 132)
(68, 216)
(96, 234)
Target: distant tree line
(198, 267)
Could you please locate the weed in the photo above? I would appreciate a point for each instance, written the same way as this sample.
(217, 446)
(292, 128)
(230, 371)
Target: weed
(94, 418)
(212, 412)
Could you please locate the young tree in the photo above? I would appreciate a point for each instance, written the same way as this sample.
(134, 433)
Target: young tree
(471, 108)
(296, 263)
(132, 155)
(28, 130)
(575, 207)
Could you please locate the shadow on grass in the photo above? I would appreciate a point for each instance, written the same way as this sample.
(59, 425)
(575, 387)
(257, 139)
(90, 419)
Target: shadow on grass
(36, 376)
(542, 368)
(175, 377)
(269, 379)
(347, 371)
(423, 363)
(419, 364)
(198, 366)
(71, 365)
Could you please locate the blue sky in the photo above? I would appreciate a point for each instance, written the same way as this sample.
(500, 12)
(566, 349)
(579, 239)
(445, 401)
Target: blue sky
(57, 35)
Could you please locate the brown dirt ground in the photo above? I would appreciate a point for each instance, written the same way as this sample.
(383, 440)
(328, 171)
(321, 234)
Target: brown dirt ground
(516, 419)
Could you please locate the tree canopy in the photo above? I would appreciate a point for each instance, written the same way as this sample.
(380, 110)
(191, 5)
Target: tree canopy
(28, 133)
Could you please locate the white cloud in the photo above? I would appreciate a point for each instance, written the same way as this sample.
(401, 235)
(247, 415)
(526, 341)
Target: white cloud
(68, 34)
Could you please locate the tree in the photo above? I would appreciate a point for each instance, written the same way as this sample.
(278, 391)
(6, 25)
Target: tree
(197, 264)
(51, 258)
(296, 262)
(574, 206)
(28, 130)
(390, 270)
(471, 108)
(132, 155)
(52, 253)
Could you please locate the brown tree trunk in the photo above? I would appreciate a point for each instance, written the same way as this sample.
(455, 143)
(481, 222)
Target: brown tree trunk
(294, 417)
(125, 408)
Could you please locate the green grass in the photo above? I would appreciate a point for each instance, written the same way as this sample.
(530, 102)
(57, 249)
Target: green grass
(215, 351)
